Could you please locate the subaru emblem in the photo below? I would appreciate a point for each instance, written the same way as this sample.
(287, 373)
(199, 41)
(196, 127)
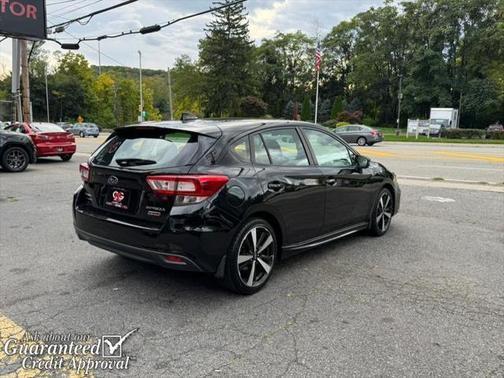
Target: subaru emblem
(112, 180)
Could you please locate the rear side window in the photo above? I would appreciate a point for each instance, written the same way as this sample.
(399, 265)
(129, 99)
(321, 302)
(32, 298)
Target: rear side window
(153, 149)
(260, 153)
(241, 149)
(285, 147)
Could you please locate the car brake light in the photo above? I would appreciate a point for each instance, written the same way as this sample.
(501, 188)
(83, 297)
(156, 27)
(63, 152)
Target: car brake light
(39, 137)
(188, 189)
(172, 259)
(374, 133)
(70, 136)
(84, 171)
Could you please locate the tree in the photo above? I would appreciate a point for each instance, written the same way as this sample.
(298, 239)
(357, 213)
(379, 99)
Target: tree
(306, 112)
(253, 107)
(337, 108)
(225, 56)
(324, 112)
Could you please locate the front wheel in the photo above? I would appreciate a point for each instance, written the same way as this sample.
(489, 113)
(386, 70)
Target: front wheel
(382, 213)
(66, 157)
(82, 135)
(15, 159)
(251, 257)
(361, 141)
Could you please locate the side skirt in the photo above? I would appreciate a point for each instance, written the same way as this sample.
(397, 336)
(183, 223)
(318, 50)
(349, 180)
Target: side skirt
(293, 249)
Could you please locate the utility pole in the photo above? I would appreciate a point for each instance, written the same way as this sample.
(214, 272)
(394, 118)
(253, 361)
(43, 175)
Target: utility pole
(25, 79)
(16, 106)
(99, 58)
(46, 93)
(141, 87)
(170, 94)
(399, 98)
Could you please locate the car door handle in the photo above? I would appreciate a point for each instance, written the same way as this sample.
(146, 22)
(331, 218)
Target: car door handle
(331, 181)
(276, 186)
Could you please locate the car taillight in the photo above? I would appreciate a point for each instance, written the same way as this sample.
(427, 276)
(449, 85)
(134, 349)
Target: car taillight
(84, 171)
(70, 136)
(187, 189)
(374, 132)
(40, 138)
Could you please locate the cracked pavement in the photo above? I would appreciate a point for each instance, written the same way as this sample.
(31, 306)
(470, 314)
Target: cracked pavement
(426, 299)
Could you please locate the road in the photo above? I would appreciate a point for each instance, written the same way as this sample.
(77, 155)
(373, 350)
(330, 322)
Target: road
(427, 299)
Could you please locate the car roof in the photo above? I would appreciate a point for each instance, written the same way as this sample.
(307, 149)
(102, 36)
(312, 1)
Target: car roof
(217, 127)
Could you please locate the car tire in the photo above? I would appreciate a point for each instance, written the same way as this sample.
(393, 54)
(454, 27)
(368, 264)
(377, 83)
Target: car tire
(96, 136)
(15, 159)
(82, 135)
(251, 257)
(66, 157)
(361, 141)
(381, 217)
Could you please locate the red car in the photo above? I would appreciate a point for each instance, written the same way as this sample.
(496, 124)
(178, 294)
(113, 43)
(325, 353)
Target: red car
(49, 139)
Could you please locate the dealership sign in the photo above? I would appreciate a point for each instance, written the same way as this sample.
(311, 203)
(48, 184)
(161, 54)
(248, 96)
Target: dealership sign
(23, 18)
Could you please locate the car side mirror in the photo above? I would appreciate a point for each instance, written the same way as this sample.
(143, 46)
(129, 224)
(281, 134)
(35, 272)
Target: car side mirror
(362, 161)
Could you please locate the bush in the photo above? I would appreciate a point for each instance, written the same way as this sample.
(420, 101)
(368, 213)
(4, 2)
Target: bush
(463, 134)
(368, 121)
(495, 135)
(333, 123)
(350, 117)
(252, 106)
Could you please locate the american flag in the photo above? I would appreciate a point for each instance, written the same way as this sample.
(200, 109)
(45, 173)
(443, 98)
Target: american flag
(318, 57)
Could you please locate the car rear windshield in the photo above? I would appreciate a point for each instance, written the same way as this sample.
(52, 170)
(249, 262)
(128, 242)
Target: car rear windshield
(46, 127)
(152, 149)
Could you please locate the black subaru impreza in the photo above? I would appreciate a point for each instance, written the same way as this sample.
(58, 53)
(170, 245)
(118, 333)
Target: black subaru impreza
(228, 197)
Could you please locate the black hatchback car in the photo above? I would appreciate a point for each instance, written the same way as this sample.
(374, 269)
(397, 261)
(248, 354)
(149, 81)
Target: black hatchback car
(228, 197)
(17, 151)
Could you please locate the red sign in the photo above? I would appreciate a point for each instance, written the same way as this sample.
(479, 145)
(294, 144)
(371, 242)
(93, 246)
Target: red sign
(23, 18)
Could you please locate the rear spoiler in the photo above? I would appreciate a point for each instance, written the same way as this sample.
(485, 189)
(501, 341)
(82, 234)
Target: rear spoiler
(207, 128)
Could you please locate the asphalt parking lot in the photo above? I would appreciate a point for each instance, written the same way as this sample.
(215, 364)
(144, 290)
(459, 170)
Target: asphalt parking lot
(427, 299)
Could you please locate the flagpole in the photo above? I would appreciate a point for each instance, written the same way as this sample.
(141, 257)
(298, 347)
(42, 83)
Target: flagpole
(316, 96)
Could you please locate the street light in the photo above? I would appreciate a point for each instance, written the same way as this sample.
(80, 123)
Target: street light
(399, 97)
(141, 88)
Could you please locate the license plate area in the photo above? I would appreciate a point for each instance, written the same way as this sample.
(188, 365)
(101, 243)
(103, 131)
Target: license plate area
(118, 198)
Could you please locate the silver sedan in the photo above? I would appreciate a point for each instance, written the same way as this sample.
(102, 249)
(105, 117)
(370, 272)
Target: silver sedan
(359, 134)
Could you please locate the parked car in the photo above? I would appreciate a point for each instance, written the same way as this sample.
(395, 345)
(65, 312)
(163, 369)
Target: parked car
(495, 127)
(85, 129)
(49, 139)
(64, 125)
(17, 151)
(230, 197)
(359, 134)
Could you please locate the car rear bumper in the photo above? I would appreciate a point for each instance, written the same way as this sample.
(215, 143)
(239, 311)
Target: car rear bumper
(51, 149)
(200, 248)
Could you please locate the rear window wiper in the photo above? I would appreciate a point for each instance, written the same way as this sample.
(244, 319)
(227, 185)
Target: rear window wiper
(133, 162)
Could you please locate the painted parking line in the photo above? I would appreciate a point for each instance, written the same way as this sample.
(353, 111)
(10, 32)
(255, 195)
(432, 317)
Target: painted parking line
(471, 156)
(11, 366)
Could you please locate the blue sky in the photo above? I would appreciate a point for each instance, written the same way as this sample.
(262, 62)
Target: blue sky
(160, 49)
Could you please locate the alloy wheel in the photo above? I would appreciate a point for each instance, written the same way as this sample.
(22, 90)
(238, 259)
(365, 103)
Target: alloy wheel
(361, 141)
(15, 159)
(256, 256)
(384, 212)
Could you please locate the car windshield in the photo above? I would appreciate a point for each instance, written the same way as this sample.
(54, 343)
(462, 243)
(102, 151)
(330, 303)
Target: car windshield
(168, 149)
(46, 127)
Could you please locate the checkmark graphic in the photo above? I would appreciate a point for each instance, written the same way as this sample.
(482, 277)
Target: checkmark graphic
(114, 344)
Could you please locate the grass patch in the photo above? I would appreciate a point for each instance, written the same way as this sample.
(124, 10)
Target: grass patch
(422, 138)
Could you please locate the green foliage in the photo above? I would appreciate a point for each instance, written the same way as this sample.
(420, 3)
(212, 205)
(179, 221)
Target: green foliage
(324, 111)
(306, 113)
(350, 117)
(225, 56)
(495, 135)
(251, 106)
(337, 107)
(463, 134)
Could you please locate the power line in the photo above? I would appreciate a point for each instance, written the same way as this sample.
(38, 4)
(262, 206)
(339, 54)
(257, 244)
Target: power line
(95, 49)
(145, 29)
(76, 9)
(88, 16)
(61, 2)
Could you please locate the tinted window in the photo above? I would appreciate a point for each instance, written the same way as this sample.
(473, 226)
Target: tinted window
(260, 153)
(241, 149)
(354, 128)
(166, 148)
(341, 129)
(328, 151)
(285, 147)
(46, 127)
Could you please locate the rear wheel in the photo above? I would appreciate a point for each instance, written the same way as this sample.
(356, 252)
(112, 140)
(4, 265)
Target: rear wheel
(361, 141)
(15, 159)
(82, 135)
(382, 213)
(66, 157)
(251, 257)
(96, 136)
